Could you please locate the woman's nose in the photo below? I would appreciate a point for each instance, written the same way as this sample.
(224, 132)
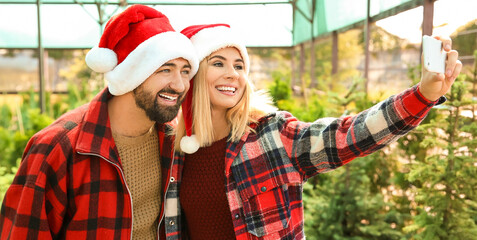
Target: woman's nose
(232, 73)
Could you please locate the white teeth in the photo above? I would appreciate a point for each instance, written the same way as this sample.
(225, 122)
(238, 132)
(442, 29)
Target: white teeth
(168, 97)
(232, 89)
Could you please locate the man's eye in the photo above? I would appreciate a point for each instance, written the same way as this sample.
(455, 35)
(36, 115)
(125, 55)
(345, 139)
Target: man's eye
(164, 71)
(187, 72)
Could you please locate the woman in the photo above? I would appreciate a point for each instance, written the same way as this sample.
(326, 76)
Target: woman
(239, 169)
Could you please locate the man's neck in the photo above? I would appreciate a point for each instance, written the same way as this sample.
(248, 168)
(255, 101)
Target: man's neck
(126, 117)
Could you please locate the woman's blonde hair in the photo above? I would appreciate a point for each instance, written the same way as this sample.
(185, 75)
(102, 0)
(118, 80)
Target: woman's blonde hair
(250, 108)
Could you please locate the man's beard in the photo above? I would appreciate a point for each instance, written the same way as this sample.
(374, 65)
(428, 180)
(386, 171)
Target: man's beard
(148, 102)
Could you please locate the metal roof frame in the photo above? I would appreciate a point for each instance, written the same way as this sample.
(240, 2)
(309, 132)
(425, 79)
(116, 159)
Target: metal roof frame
(305, 12)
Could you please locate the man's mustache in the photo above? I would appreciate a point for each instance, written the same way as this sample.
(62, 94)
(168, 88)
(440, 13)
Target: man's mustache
(171, 91)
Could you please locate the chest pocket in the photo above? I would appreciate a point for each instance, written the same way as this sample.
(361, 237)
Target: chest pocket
(267, 212)
(265, 197)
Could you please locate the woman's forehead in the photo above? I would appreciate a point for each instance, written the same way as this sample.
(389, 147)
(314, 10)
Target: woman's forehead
(227, 51)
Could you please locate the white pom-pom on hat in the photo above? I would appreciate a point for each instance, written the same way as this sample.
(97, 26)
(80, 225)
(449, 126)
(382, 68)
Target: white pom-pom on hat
(101, 60)
(189, 144)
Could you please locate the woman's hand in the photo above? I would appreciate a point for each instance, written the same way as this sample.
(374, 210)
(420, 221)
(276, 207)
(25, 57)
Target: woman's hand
(434, 85)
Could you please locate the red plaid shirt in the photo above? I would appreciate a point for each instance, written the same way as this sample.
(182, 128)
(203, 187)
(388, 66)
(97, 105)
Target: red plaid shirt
(265, 171)
(70, 184)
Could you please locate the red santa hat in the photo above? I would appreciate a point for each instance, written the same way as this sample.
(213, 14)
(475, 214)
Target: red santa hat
(206, 40)
(135, 43)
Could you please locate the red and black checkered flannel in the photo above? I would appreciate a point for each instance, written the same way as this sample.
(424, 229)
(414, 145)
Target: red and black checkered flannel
(70, 184)
(265, 171)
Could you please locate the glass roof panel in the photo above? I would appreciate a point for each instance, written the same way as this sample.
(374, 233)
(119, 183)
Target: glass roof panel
(151, 2)
(67, 24)
(332, 15)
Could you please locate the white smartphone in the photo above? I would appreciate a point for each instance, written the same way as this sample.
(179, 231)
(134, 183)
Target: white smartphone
(434, 55)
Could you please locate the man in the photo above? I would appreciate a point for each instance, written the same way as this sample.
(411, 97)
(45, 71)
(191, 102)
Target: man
(97, 169)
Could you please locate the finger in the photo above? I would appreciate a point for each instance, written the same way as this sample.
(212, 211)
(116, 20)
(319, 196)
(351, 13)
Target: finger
(433, 76)
(446, 42)
(440, 77)
(457, 69)
(451, 62)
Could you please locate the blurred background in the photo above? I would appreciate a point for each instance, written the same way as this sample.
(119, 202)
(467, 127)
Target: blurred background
(317, 58)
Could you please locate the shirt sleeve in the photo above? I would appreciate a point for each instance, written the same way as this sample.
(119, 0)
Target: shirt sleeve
(329, 143)
(31, 205)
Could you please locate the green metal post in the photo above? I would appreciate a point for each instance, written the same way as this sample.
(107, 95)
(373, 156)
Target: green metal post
(366, 48)
(40, 62)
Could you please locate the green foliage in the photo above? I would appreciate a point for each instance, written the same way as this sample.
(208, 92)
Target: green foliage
(406, 191)
(18, 126)
(411, 143)
(381, 40)
(280, 89)
(6, 114)
(6, 178)
(15, 131)
(355, 201)
(316, 109)
(19, 122)
(350, 50)
(281, 93)
(465, 43)
(341, 205)
(6, 147)
(445, 178)
(422, 187)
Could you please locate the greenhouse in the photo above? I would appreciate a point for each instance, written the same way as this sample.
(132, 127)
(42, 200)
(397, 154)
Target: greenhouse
(319, 60)
(287, 23)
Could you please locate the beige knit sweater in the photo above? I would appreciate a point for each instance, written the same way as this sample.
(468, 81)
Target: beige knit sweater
(142, 169)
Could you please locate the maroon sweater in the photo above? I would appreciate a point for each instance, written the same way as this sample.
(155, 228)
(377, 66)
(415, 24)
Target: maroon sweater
(202, 194)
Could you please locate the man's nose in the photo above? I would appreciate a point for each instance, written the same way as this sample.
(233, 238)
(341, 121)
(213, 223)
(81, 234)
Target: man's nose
(177, 83)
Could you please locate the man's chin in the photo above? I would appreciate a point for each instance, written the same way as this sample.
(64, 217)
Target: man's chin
(164, 114)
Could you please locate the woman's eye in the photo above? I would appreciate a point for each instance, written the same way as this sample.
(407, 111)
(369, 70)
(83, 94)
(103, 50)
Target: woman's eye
(239, 67)
(218, 64)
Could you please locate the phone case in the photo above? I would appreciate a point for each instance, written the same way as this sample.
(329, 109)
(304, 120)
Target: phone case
(434, 56)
